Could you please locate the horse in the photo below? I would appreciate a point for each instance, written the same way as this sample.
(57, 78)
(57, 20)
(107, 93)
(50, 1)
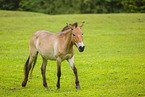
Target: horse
(55, 46)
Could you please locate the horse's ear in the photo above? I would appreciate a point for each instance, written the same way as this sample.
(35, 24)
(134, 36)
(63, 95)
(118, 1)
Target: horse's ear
(66, 31)
(70, 26)
(82, 24)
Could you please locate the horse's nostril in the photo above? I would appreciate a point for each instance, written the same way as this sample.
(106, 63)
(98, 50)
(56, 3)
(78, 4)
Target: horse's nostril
(80, 47)
(83, 47)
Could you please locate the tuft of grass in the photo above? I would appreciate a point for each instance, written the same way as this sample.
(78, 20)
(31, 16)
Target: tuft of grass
(113, 63)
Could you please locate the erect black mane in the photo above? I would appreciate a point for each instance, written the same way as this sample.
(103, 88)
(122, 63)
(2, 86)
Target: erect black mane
(66, 27)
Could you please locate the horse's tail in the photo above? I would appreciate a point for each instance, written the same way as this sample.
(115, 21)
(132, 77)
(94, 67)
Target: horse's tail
(35, 59)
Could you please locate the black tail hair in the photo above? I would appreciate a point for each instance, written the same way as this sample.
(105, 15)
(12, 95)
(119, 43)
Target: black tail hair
(26, 65)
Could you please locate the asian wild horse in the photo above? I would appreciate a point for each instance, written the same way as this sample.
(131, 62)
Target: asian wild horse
(55, 46)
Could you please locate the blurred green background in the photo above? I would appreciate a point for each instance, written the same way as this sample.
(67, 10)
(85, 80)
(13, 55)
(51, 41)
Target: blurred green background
(113, 64)
(75, 6)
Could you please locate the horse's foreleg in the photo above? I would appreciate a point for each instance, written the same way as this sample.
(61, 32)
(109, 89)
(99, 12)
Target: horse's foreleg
(76, 78)
(43, 70)
(27, 68)
(58, 72)
(71, 62)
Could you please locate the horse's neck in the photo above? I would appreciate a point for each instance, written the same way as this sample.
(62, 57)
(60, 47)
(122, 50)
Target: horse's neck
(67, 40)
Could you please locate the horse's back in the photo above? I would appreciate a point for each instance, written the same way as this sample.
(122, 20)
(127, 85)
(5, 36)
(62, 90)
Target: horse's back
(42, 33)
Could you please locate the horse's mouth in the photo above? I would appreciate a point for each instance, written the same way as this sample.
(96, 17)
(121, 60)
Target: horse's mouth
(81, 48)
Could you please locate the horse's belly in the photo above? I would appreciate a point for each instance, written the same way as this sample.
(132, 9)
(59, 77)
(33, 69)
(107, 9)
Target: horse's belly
(47, 52)
(49, 55)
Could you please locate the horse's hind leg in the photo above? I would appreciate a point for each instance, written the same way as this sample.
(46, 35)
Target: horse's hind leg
(35, 59)
(27, 67)
(43, 70)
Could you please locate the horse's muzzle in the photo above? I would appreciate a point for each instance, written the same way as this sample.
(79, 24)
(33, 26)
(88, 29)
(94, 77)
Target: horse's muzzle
(81, 48)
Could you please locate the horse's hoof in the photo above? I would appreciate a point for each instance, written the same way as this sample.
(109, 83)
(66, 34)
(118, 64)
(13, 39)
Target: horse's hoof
(58, 88)
(23, 84)
(78, 88)
(47, 87)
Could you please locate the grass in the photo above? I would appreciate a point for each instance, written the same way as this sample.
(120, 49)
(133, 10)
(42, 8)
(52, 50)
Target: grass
(113, 63)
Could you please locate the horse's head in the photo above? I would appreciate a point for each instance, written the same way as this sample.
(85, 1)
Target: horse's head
(77, 36)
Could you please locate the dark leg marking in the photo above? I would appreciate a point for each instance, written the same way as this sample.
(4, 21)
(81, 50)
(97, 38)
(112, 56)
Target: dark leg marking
(58, 74)
(58, 82)
(76, 78)
(43, 70)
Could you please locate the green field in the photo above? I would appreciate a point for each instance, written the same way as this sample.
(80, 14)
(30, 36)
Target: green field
(113, 63)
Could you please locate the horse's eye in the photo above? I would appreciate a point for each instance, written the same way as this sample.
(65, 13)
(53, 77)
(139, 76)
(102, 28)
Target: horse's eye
(74, 35)
(82, 34)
